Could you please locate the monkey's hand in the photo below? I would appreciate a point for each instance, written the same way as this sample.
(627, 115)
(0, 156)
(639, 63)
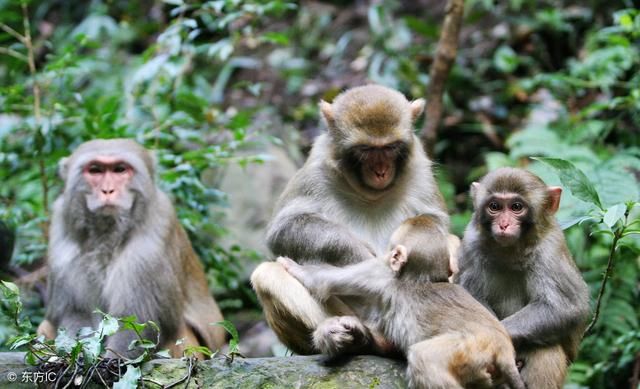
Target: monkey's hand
(397, 258)
(340, 335)
(303, 274)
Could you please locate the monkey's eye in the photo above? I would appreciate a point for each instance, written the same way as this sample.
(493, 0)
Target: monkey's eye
(517, 207)
(120, 168)
(494, 206)
(95, 169)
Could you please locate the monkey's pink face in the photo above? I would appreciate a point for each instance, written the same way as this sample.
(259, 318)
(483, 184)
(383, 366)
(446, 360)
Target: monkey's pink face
(109, 180)
(378, 166)
(508, 214)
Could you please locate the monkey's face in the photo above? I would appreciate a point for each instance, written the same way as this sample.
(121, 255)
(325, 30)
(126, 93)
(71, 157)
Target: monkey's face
(506, 216)
(109, 181)
(376, 167)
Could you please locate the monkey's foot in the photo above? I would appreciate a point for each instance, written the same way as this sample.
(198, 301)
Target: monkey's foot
(340, 335)
(398, 257)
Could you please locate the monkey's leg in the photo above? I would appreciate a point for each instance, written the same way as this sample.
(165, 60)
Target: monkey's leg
(428, 363)
(544, 367)
(188, 339)
(289, 308)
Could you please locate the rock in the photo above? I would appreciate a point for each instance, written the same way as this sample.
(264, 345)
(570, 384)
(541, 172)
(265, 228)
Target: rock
(219, 373)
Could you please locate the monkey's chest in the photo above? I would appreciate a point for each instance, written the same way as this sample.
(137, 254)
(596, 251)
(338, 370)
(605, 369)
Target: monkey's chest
(374, 227)
(509, 298)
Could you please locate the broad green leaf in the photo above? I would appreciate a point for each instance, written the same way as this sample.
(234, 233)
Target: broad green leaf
(108, 326)
(22, 340)
(614, 214)
(162, 354)
(574, 179)
(64, 342)
(91, 348)
(12, 288)
(130, 379)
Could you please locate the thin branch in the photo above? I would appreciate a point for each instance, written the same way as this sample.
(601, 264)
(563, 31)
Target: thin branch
(31, 60)
(603, 285)
(13, 33)
(444, 58)
(186, 378)
(14, 54)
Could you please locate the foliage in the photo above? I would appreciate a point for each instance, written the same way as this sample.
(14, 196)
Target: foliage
(80, 358)
(86, 82)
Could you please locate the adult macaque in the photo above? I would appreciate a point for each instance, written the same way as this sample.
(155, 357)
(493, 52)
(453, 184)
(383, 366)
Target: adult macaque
(362, 179)
(116, 245)
(514, 259)
(450, 340)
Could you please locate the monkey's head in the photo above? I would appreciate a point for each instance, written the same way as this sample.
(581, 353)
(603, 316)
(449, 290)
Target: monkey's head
(511, 203)
(371, 132)
(108, 177)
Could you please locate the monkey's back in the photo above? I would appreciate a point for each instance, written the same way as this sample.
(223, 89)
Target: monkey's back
(422, 311)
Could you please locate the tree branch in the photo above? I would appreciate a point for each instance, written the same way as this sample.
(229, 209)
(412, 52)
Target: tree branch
(445, 55)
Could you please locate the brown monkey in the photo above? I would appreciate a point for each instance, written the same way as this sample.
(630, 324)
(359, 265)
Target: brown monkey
(514, 259)
(116, 245)
(450, 339)
(362, 179)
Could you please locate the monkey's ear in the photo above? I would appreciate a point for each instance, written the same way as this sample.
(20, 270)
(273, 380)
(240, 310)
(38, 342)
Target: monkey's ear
(63, 168)
(417, 106)
(327, 112)
(473, 192)
(553, 202)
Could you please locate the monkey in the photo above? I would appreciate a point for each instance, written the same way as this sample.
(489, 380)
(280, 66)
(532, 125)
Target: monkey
(514, 259)
(449, 339)
(364, 177)
(116, 245)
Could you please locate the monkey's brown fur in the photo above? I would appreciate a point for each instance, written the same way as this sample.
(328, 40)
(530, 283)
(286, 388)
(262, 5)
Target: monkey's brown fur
(362, 180)
(450, 340)
(133, 260)
(531, 282)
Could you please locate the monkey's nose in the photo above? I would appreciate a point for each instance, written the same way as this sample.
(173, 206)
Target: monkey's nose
(108, 191)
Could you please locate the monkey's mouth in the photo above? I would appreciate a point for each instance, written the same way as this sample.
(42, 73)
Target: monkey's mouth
(505, 238)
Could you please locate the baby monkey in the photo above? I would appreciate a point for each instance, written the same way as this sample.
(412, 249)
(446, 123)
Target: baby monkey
(450, 340)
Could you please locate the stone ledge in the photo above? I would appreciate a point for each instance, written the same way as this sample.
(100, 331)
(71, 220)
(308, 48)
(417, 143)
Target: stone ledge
(285, 372)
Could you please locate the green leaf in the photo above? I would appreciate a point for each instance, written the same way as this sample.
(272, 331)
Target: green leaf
(12, 289)
(22, 340)
(64, 342)
(108, 326)
(192, 350)
(91, 348)
(130, 379)
(614, 214)
(229, 327)
(276, 38)
(505, 59)
(574, 179)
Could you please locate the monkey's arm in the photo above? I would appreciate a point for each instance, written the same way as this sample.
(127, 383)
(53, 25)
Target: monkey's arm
(558, 307)
(143, 283)
(366, 278)
(299, 231)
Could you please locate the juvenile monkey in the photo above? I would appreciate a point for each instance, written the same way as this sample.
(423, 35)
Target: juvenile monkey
(363, 178)
(116, 245)
(514, 259)
(450, 340)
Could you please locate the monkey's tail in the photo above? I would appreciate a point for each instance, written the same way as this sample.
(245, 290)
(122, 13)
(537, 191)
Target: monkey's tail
(512, 376)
